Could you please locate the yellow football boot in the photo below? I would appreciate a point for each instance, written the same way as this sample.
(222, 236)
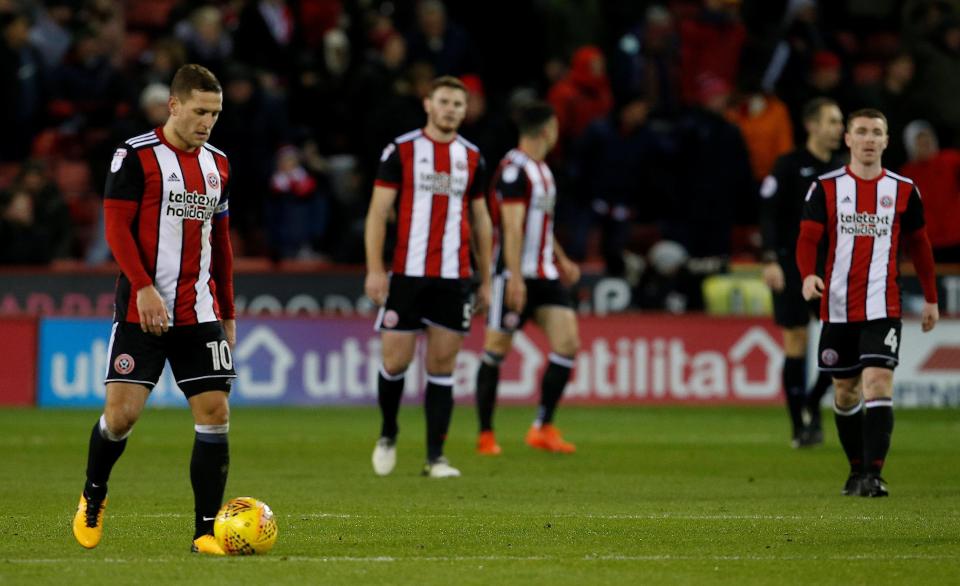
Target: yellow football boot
(88, 521)
(207, 544)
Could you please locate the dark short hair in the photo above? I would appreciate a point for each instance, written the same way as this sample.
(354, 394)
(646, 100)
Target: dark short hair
(813, 108)
(532, 117)
(193, 77)
(447, 81)
(867, 113)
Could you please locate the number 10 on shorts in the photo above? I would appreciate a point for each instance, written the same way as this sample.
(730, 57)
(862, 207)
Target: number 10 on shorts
(220, 353)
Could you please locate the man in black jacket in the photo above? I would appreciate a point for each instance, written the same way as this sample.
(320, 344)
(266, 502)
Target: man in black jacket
(782, 196)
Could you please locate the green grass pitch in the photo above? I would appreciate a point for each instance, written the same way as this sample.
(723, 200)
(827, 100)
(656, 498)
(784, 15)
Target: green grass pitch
(653, 496)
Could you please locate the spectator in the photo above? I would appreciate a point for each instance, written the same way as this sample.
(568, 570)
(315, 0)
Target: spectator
(645, 61)
(296, 211)
(711, 44)
(938, 77)
(265, 37)
(441, 43)
(489, 131)
(251, 128)
(936, 173)
(51, 31)
(205, 39)
(581, 97)
(163, 59)
(89, 83)
(895, 97)
(50, 209)
(613, 167)
(714, 185)
(34, 219)
(23, 93)
(764, 122)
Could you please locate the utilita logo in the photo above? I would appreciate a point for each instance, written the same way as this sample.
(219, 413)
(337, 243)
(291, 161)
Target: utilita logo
(662, 368)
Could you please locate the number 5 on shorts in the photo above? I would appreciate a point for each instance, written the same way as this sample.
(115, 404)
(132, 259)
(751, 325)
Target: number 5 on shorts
(467, 312)
(891, 340)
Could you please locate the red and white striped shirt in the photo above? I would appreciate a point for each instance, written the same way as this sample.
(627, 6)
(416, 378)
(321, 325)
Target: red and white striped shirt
(864, 221)
(180, 201)
(520, 179)
(436, 182)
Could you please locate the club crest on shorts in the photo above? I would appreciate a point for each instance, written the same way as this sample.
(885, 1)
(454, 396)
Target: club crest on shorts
(390, 319)
(511, 320)
(124, 364)
(886, 201)
(829, 357)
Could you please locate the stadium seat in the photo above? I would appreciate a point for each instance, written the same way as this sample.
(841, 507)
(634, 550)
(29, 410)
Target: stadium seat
(736, 295)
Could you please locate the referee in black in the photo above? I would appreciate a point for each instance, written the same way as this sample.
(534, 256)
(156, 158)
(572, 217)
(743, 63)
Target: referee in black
(782, 196)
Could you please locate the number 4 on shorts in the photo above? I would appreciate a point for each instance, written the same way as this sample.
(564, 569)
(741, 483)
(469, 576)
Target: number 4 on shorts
(891, 339)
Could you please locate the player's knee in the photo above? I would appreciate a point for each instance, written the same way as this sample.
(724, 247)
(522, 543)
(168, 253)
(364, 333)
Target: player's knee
(847, 392)
(119, 421)
(568, 346)
(217, 413)
(499, 344)
(878, 383)
(441, 362)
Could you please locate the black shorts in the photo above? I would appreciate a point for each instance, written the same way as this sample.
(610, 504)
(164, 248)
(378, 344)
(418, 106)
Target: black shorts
(540, 293)
(790, 309)
(199, 356)
(848, 348)
(414, 303)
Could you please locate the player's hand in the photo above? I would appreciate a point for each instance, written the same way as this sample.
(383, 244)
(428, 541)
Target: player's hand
(569, 272)
(482, 300)
(230, 331)
(376, 286)
(773, 276)
(929, 316)
(516, 293)
(152, 311)
(812, 287)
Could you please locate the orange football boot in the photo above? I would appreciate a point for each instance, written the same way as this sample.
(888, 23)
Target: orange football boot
(487, 444)
(548, 438)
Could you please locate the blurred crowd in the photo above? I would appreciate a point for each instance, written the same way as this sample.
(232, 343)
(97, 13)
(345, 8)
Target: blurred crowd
(671, 111)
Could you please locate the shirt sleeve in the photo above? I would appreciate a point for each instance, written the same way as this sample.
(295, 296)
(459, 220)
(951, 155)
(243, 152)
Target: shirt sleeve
(125, 179)
(223, 206)
(912, 219)
(478, 187)
(769, 201)
(815, 206)
(390, 171)
(512, 184)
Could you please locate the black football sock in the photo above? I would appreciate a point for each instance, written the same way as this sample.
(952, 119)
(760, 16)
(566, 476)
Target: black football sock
(438, 404)
(850, 430)
(208, 474)
(877, 430)
(389, 394)
(555, 379)
(815, 397)
(795, 387)
(104, 451)
(488, 377)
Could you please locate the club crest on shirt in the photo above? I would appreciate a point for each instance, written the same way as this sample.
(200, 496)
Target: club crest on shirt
(118, 156)
(886, 201)
(461, 166)
(213, 180)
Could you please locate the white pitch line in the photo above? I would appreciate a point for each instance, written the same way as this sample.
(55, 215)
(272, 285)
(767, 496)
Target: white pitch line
(494, 558)
(549, 516)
